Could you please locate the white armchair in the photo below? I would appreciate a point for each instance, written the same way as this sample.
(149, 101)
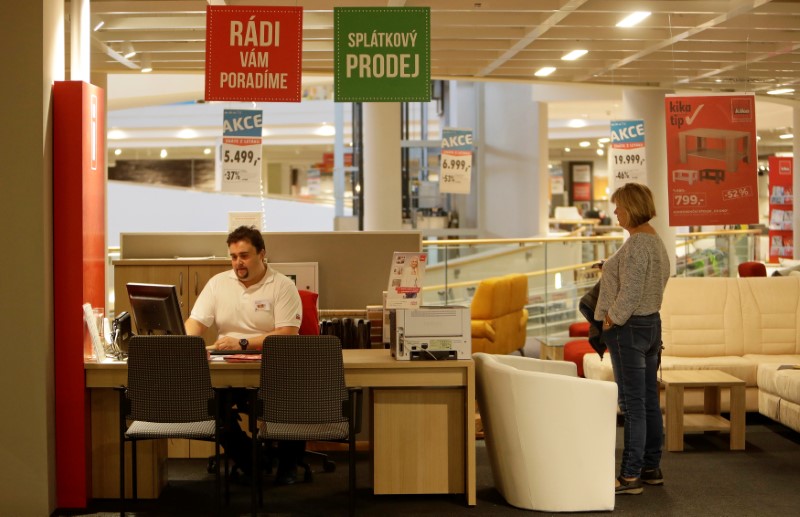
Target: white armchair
(550, 435)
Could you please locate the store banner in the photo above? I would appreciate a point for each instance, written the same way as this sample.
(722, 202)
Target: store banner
(711, 159)
(253, 53)
(455, 170)
(240, 152)
(581, 179)
(781, 211)
(382, 54)
(627, 155)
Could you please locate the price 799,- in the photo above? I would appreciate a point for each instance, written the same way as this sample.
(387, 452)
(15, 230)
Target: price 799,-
(698, 199)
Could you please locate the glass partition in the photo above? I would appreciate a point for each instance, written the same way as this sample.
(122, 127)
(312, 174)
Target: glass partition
(559, 269)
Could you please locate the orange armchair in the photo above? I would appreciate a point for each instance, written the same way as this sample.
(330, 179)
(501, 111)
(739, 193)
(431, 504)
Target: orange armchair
(498, 313)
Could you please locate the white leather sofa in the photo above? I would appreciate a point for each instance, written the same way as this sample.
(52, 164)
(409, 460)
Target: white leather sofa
(550, 435)
(746, 327)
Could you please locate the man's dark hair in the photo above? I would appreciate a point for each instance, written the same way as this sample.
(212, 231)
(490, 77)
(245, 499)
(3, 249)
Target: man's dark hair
(247, 233)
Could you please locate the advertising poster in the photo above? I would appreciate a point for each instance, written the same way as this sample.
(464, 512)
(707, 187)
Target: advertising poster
(382, 54)
(581, 181)
(711, 159)
(781, 212)
(405, 280)
(253, 53)
(240, 153)
(455, 170)
(627, 155)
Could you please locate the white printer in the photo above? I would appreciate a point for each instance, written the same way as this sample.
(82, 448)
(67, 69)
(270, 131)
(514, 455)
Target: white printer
(434, 333)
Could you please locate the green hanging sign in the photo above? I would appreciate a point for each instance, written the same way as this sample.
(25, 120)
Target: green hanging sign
(382, 54)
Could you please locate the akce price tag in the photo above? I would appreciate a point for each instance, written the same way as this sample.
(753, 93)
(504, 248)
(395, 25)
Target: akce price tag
(455, 173)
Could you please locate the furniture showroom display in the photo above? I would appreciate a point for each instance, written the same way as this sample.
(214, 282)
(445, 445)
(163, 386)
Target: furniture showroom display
(746, 327)
(421, 420)
(550, 435)
(712, 382)
(498, 313)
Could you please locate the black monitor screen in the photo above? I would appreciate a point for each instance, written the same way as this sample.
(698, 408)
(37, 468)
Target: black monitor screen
(156, 309)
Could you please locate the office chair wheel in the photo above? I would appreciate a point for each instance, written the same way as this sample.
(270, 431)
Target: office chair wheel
(328, 466)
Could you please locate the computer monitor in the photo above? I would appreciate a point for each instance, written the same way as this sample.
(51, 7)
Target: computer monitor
(156, 309)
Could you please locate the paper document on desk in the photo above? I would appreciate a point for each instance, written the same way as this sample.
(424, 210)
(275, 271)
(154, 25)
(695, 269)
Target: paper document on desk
(405, 280)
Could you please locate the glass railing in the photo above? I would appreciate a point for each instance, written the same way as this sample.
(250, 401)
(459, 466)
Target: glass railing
(559, 269)
(559, 272)
(715, 253)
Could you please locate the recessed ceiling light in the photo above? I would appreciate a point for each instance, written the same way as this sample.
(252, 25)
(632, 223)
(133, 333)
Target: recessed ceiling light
(567, 149)
(207, 150)
(576, 122)
(575, 54)
(164, 153)
(129, 51)
(780, 91)
(786, 136)
(117, 152)
(633, 18)
(545, 71)
(600, 152)
(187, 133)
(117, 134)
(147, 66)
(585, 143)
(604, 140)
(325, 130)
(717, 80)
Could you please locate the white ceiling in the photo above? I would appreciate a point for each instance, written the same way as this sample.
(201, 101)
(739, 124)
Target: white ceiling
(717, 45)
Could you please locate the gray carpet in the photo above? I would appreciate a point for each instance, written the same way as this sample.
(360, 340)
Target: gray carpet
(705, 480)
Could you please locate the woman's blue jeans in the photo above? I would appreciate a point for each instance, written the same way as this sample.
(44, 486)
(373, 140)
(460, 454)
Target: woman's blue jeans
(635, 350)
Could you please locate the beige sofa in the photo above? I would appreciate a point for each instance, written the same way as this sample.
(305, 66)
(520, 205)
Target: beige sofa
(747, 327)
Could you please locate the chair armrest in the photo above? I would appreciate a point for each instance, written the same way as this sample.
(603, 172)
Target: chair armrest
(483, 329)
(523, 319)
(352, 407)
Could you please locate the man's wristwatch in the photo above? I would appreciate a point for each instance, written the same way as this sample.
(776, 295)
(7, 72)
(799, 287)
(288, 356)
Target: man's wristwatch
(243, 343)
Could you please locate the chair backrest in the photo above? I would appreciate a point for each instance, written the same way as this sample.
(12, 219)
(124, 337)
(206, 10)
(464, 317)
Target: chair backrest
(309, 325)
(752, 268)
(302, 380)
(168, 379)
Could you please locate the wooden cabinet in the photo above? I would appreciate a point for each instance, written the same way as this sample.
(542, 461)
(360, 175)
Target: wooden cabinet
(189, 277)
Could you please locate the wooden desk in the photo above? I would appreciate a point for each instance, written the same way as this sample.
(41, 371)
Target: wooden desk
(422, 426)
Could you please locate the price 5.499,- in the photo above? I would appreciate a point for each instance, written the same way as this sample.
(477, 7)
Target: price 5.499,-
(239, 157)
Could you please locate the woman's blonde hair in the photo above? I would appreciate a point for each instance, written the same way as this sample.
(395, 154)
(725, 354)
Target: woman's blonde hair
(637, 200)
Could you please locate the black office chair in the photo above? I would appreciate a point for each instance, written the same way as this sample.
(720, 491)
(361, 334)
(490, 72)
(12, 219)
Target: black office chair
(168, 395)
(303, 396)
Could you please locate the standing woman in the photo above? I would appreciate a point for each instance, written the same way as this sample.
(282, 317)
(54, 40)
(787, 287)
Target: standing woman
(630, 297)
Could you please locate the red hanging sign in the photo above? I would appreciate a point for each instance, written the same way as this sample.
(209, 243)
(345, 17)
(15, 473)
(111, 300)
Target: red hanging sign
(781, 211)
(253, 53)
(711, 160)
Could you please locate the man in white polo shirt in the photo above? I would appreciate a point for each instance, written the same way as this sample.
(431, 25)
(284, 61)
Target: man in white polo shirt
(247, 304)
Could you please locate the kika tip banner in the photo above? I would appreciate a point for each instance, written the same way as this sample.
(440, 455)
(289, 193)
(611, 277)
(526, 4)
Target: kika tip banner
(711, 159)
(382, 54)
(253, 53)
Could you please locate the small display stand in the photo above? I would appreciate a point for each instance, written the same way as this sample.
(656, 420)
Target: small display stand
(780, 209)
